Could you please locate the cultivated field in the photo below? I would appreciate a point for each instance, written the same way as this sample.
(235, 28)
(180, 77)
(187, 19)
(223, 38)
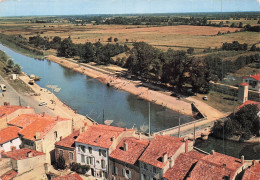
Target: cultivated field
(176, 37)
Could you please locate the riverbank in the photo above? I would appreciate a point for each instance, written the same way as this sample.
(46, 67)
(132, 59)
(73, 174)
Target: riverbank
(159, 97)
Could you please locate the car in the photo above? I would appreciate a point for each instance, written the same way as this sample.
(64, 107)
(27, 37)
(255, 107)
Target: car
(42, 104)
(205, 98)
(158, 82)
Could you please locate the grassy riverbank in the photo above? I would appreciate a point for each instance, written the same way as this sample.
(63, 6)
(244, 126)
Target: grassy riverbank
(19, 45)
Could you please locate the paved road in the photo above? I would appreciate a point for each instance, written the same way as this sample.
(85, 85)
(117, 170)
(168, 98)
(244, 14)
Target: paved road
(15, 98)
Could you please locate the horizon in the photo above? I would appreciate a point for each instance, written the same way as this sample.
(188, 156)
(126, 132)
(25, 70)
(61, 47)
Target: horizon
(25, 8)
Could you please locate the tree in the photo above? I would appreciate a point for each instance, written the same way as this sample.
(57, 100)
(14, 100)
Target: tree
(56, 42)
(60, 163)
(109, 39)
(190, 50)
(67, 48)
(89, 52)
(17, 69)
(240, 25)
(10, 63)
(115, 39)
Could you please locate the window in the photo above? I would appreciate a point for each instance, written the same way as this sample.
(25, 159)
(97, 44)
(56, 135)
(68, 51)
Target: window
(82, 158)
(81, 148)
(143, 177)
(154, 169)
(90, 150)
(128, 174)
(71, 155)
(116, 170)
(91, 160)
(99, 152)
(87, 160)
(61, 153)
(145, 167)
(55, 134)
(11, 141)
(103, 164)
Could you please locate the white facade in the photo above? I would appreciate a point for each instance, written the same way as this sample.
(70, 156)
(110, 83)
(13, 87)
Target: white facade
(5, 147)
(95, 157)
(253, 83)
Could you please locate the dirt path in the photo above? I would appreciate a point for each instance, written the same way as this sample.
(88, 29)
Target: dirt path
(135, 88)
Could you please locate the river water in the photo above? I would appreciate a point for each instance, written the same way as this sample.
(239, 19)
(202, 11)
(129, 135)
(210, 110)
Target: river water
(89, 96)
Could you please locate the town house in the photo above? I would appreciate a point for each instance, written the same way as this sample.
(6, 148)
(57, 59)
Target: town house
(161, 154)
(9, 139)
(94, 145)
(123, 161)
(253, 82)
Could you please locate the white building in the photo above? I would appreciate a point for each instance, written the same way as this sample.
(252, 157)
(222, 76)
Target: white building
(253, 81)
(9, 139)
(94, 145)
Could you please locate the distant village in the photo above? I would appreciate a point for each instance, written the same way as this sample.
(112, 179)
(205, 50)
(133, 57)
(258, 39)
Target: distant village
(39, 146)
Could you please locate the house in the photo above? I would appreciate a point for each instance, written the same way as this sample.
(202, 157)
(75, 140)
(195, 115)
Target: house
(183, 165)
(253, 81)
(9, 139)
(41, 132)
(8, 112)
(27, 163)
(9, 175)
(94, 145)
(66, 148)
(74, 176)
(161, 154)
(217, 166)
(253, 172)
(123, 161)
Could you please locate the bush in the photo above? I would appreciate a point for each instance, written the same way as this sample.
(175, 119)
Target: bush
(60, 163)
(78, 168)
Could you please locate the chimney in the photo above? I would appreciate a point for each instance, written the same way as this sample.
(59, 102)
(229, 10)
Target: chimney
(81, 130)
(165, 157)
(171, 164)
(58, 118)
(242, 159)
(60, 138)
(37, 136)
(43, 114)
(112, 138)
(29, 154)
(125, 146)
(212, 152)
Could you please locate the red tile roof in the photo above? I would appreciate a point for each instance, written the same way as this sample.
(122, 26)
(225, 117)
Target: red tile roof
(183, 165)
(243, 84)
(26, 119)
(250, 102)
(39, 125)
(256, 77)
(216, 166)
(69, 177)
(134, 151)
(253, 172)
(6, 110)
(20, 154)
(68, 141)
(100, 135)
(9, 175)
(8, 134)
(159, 146)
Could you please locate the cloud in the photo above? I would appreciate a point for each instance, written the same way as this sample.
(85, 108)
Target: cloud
(258, 2)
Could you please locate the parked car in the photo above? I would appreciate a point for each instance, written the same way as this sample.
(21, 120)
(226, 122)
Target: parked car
(205, 98)
(42, 104)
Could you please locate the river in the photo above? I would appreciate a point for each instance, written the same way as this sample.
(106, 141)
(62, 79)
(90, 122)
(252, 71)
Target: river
(89, 96)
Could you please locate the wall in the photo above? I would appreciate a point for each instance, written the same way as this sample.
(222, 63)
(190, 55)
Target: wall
(7, 146)
(65, 154)
(95, 155)
(63, 129)
(135, 171)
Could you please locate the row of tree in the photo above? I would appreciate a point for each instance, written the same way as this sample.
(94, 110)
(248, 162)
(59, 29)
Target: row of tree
(9, 65)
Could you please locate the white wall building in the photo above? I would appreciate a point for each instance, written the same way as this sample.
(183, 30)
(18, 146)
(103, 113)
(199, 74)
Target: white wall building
(253, 81)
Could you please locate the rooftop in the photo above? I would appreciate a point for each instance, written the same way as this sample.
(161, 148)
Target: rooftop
(9, 175)
(256, 77)
(100, 135)
(25, 120)
(243, 84)
(216, 166)
(159, 146)
(6, 110)
(68, 141)
(135, 148)
(253, 172)
(183, 165)
(250, 102)
(8, 134)
(74, 176)
(20, 154)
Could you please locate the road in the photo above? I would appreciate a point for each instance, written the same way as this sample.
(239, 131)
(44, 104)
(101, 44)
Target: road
(15, 98)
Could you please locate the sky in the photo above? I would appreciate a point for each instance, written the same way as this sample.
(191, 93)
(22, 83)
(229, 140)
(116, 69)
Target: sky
(82, 7)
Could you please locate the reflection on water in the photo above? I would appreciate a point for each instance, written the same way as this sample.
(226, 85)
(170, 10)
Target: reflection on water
(231, 148)
(89, 96)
